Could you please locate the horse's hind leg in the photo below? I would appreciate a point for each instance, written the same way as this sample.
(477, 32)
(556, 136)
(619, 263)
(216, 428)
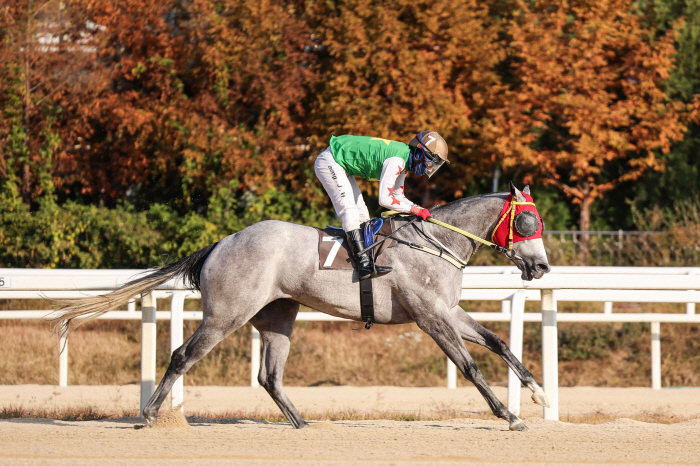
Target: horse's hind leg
(210, 332)
(275, 323)
(446, 335)
(473, 331)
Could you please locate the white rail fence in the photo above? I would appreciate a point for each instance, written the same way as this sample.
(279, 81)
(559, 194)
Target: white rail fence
(592, 284)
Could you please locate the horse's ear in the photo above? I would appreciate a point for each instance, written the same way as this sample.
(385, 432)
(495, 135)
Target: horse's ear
(526, 189)
(517, 195)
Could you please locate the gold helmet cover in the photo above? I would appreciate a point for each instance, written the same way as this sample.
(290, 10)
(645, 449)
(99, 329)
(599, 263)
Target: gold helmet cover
(431, 153)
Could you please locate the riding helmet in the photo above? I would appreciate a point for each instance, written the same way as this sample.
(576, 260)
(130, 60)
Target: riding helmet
(432, 142)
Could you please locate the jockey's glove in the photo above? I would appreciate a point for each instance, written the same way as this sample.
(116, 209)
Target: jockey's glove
(420, 212)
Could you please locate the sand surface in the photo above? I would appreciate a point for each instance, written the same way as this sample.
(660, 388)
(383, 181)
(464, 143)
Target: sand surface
(248, 442)
(622, 402)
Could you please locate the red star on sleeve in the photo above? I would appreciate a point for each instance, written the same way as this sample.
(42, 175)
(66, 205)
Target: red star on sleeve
(402, 189)
(391, 191)
(399, 172)
(395, 201)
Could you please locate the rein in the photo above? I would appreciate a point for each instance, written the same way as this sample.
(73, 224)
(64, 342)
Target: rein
(509, 253)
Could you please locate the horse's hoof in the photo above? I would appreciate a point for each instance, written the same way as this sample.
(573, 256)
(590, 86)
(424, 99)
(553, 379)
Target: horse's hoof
(303, 425)
(149, 417)
(540, 398)
(149, 422)
(518, 425)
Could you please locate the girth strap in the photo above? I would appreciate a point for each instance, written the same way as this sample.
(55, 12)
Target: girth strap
(367, 302)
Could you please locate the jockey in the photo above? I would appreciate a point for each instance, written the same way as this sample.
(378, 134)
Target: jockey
(375, 159)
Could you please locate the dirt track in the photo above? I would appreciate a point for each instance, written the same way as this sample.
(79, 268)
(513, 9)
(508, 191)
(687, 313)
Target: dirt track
(461, 441)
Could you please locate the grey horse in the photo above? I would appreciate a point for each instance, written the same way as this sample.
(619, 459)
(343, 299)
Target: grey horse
(264, 272)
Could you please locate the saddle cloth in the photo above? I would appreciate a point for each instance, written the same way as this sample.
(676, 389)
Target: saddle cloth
(334, 251)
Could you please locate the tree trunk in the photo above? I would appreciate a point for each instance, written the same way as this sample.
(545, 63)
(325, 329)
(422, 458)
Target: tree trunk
(26, 170)
(584, 223)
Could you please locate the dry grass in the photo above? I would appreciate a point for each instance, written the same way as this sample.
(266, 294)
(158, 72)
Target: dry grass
(343, 415)
(86, 413)
(599, 417)
(92, 414)
(330, 353)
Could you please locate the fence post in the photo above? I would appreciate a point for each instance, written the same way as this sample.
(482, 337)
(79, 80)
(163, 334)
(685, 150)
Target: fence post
(451, 374)
(177, 304)
(148, 349)
(690, 307)
(254, 357)
(516, 347)
(607, 307)
(656, 355)
(63, 361)
(550, 357)
(505, 304)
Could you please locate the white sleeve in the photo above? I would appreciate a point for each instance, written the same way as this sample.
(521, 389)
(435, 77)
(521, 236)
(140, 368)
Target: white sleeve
(391, 194)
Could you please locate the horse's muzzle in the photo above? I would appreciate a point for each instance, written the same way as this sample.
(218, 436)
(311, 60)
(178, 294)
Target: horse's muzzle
(537, 270)
(543, 267)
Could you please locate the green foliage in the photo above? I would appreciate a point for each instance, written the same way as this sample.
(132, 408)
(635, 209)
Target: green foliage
(74, 235)
(677, 246)
(684, 78)
(591, 341)
(233, 210)
(577, 342)
(551, 205)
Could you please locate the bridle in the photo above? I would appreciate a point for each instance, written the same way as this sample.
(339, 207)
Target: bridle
(517, 221)
(507, 251)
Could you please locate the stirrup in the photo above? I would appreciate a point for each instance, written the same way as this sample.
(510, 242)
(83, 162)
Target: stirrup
(366, 276)
(380, 269)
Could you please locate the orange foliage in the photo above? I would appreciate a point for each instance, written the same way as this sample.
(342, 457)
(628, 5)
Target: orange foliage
(200, 92)
(398, 67)
(187, 96)
(47, 78)
(589, 110)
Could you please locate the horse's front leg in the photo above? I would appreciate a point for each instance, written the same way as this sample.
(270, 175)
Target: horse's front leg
(474, 332)
(440, 327)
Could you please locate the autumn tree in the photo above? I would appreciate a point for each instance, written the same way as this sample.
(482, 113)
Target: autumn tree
(398, 67)
(41, 50)
(588, 108)
(167, 101)
(253, 86)
(681, 178)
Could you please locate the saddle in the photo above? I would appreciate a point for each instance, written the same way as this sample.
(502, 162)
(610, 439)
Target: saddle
(334, 252)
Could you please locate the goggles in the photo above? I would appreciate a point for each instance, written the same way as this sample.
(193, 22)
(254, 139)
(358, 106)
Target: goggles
(518, 221)
(431, 161)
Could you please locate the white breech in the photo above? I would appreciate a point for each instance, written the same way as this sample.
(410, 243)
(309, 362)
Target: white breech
(343, 191)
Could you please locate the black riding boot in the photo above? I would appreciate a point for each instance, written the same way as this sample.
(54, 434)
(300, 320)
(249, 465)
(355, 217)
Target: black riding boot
(365, 265)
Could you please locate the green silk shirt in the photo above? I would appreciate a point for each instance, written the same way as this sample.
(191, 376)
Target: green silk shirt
(364, 156)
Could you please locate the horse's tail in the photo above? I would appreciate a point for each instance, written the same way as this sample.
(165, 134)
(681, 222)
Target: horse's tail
(68, 310)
